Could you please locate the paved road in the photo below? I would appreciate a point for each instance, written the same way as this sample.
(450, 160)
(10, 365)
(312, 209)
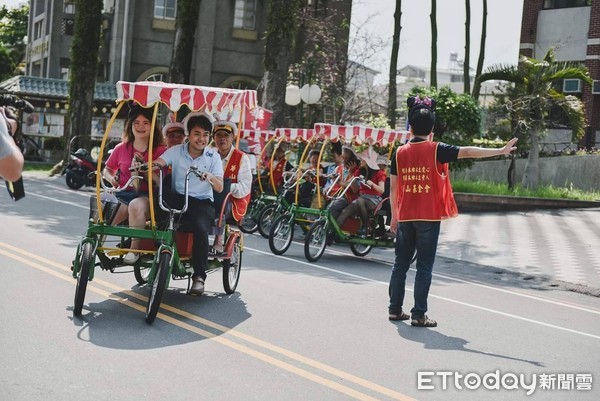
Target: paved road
(293, 331)
(558, 244)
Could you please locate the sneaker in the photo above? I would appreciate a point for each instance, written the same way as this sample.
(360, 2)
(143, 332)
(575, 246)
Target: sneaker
(423, 322)
(197, 286)
(131, 258)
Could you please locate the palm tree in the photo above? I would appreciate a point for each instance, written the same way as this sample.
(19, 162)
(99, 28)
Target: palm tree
(477, 84)
(433, 18)
(392, 91)
(534, 95)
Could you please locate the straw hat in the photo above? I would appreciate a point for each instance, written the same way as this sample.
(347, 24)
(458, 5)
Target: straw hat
(370, 157)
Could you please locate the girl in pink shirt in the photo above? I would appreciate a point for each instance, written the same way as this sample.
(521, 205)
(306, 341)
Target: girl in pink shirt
(129, 153)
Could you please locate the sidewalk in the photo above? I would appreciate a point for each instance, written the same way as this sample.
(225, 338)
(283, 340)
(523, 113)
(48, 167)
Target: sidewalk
(563, 244)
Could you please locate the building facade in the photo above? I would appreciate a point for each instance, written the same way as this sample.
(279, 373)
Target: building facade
(572, 28)
(137, 45)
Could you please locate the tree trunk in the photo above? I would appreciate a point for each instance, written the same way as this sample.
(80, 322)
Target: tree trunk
(392, 91)
(180, 69)
(466, 75)
(532, 167)
(282, 19)
(477, 85)
(84, 66)
(433, 18)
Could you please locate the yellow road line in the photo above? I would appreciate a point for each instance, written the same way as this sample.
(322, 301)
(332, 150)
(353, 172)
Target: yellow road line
(223, 329)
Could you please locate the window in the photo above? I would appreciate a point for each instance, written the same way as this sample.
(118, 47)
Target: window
(550, 4)
(165, 9)
(37, 29)
(245, 14)
(69, 7)
(64, 68)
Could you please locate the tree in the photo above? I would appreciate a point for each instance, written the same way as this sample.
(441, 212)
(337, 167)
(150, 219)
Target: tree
(533, 98)
(392, 90)
(186, 23)
(457, 118)
(83, 69)
(466, 63)
(477, 83)
(282, 25)
(13, 30)
(433, 18)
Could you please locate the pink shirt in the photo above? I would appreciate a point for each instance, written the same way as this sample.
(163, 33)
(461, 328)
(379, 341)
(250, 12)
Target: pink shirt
(120, 159)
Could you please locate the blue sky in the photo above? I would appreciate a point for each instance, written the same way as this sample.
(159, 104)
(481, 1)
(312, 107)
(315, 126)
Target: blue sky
(376, 18)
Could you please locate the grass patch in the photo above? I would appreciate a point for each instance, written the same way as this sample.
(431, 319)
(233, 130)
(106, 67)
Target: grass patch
(548, 192)
(38, 166)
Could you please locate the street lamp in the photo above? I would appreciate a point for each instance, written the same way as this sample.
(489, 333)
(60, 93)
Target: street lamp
(309, 94)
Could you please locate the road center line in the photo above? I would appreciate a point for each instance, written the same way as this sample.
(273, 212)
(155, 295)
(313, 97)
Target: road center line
(93, 285)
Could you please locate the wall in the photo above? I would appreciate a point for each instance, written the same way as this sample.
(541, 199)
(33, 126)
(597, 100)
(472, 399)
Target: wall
(569, 40)
(583, 172)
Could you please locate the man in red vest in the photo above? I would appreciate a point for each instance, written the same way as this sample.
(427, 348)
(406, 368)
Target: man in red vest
(236, 166)
(421, 196)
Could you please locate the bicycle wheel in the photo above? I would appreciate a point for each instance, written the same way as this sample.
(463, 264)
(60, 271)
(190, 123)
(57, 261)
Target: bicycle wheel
(141, 273)
(282, 234)
(248, 225)
(158, 286)
(86, 260)
(232, 268)
(265, 220)
(360, 249)
(315, 241)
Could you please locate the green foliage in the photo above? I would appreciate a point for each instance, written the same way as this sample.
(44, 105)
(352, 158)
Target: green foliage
(375, 121)
(7, 65)
(13, 30)
(457, 117)
(13, 26)
(549, 192)
(529, 100)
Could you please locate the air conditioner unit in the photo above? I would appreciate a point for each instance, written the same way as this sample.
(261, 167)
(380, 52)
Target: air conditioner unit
(596, 87)
(572, 86)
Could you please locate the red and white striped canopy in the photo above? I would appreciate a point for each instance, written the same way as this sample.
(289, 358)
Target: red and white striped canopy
(197, 98)
(295, 134)
(358, 135)
(257, 135)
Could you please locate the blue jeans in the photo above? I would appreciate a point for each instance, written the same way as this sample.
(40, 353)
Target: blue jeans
(411, 236)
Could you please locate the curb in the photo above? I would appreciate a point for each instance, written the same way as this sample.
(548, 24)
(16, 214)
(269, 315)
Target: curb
(501, 203)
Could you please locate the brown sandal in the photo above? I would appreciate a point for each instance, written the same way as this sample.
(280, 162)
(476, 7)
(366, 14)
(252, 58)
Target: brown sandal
(423, 322)
(399, 316)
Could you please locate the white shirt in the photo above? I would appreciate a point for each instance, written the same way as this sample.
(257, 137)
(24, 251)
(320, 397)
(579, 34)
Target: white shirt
(244, 179)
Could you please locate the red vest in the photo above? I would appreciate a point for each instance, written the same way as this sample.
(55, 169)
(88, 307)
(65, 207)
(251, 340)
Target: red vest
(239, 205)
(278, 172)
(423, 185)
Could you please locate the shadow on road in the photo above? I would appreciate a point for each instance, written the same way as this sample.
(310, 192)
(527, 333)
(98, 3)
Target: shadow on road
(433, 339)
(109, 324)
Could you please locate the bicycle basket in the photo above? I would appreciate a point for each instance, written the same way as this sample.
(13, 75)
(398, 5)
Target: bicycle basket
(110, 205)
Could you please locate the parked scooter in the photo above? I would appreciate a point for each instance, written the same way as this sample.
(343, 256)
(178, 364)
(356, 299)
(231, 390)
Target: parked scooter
(81, 170)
